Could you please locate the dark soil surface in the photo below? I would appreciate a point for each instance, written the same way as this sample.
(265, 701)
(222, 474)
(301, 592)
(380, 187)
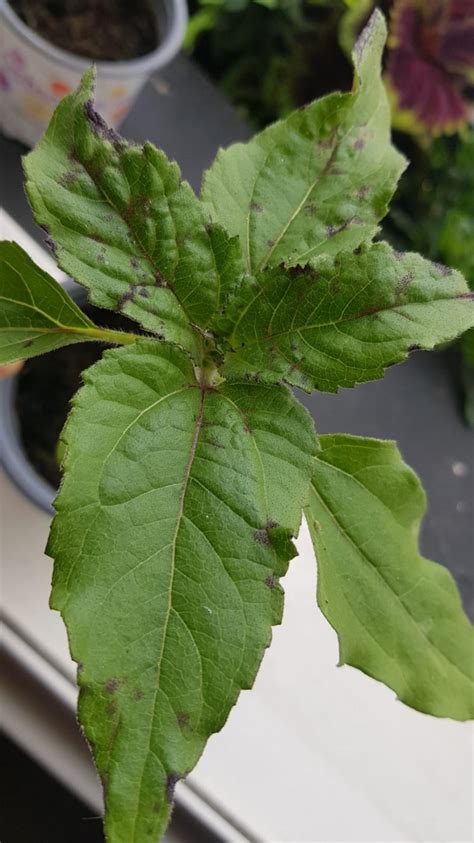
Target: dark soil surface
(45, 387)
(103, 30)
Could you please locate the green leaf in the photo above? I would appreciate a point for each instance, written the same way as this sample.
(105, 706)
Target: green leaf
(398, 616)
(36, 314)
(343, 320)
(467, 373)
(318, 181)
(123, 224)
(169, 541)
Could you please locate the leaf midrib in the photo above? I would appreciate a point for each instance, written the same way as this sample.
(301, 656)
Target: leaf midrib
(334, 323)
(181, 502)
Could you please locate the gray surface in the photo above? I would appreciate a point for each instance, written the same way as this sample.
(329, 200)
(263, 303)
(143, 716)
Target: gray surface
(417, 403)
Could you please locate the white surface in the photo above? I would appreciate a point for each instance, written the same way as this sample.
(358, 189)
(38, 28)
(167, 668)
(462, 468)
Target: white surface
(313, 753)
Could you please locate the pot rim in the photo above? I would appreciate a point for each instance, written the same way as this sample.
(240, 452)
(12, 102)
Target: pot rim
(13, 458)
(177, 16)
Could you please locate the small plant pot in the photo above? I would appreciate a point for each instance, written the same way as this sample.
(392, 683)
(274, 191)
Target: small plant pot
(13, 457)
(35, 74)
(45, 407)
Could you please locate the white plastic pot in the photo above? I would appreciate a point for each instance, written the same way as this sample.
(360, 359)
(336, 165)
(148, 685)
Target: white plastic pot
(34, 74)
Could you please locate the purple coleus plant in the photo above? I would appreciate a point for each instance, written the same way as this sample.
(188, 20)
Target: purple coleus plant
(429, 61)
(430, 66)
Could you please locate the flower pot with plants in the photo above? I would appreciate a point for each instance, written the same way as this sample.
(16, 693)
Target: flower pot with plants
(188, 459)
(46, 45)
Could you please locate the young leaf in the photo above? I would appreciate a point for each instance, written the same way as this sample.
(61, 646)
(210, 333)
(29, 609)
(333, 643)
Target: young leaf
(123, 224)
(343, 320)
(398, 616)
(169, 541)
(36, 314)
(318, 181)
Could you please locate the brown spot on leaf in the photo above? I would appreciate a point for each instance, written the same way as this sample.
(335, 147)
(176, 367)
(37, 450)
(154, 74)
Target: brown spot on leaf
(326, 143)
(271, 524)
(126, 296)
(261, 536)
(359, 144)
(183, 719)
(270, 244)
(144, 292)
(135, 263)
(68, 178)
(51, 244)
(444, 270)
(271, 581)
(363, 191)
(254, 206)
(310, 209)
(139, 203)
(100, 127)
(112, 685)
(171, 782)
(137, 694)
(403, 283)
(27, 343)
(397, 255)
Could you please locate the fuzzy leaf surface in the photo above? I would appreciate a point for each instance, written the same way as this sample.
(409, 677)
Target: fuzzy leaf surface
(168, 544)
(36, 314)
(316, 182)
(343, 320)
(123, 224)
(398, 616)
